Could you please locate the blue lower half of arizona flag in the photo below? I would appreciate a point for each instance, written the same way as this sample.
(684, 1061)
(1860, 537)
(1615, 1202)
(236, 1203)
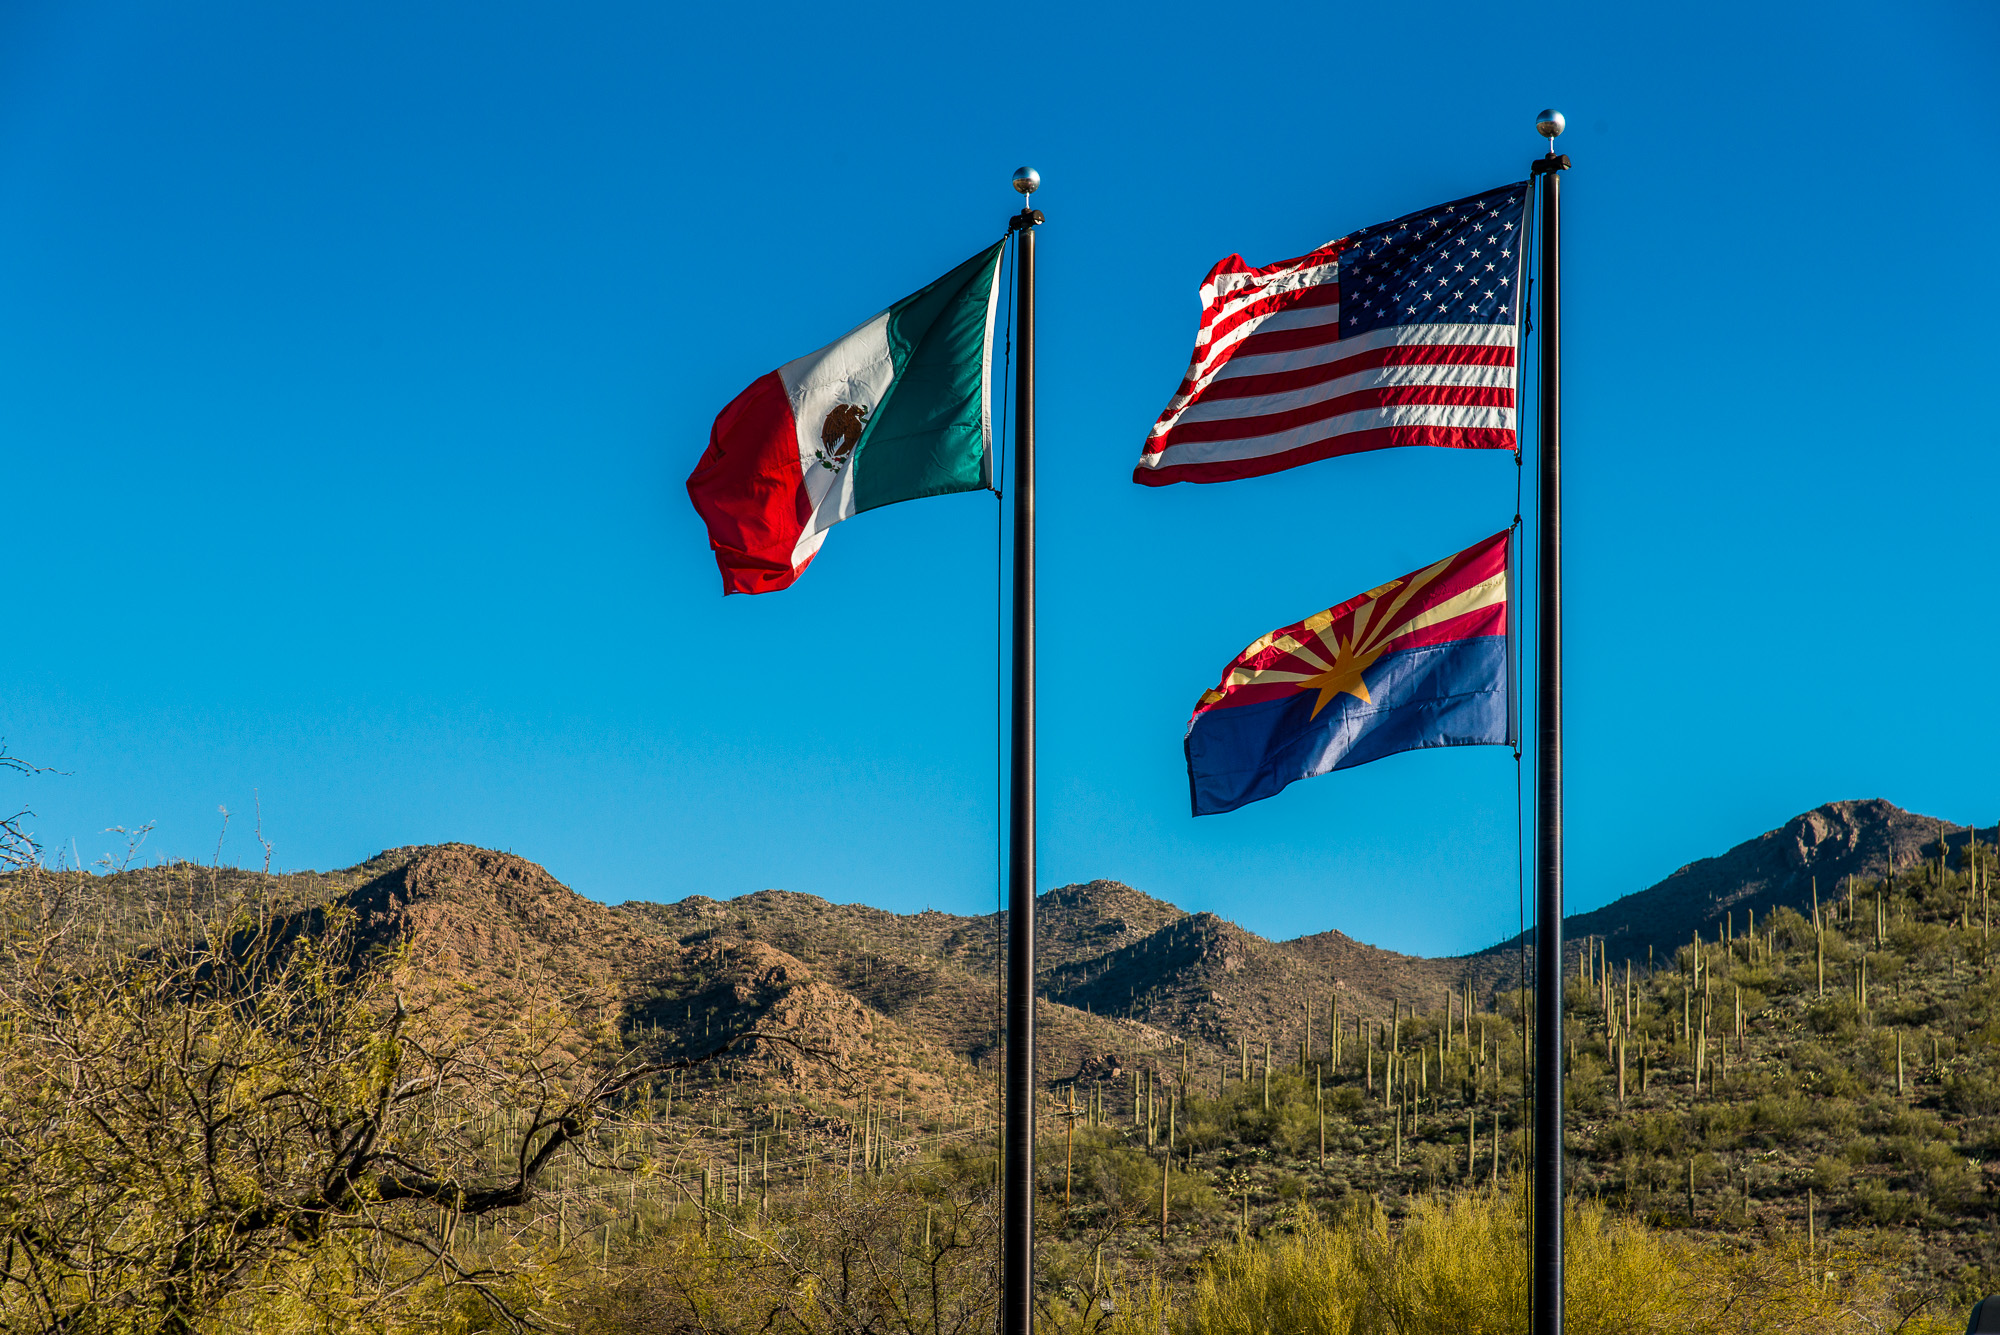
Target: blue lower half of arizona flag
(1421, 661)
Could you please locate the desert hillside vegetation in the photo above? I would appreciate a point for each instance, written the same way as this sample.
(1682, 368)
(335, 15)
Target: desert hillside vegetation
(440, 1091)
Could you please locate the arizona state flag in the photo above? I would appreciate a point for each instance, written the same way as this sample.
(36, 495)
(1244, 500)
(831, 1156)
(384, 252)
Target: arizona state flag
(1421, 661)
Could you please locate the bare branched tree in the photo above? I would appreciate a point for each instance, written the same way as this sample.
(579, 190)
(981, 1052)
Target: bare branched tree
(18, 849)
(181, 1126)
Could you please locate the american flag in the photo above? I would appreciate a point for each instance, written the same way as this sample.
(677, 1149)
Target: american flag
(1401, 334)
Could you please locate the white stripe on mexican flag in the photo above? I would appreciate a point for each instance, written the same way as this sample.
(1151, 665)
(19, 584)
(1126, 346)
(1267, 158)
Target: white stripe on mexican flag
(897, 409)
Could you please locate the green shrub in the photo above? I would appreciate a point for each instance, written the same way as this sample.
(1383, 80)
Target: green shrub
(1755, 981)
(1647, 1133)
(1916, 940)
(1834, 1016)
(1834, 1115)
(1884, 968)
(1794, 929)
(1829, 1174)
(1308, 1282)
(1718, 1126)
(1459, 1266)
(1951, 1185)
(1126, 1180)
(1879, 1204)
(1584, 1090)
(1973, 1093)
(1915, 1123)
(1917, 1158)
(1782, 1116)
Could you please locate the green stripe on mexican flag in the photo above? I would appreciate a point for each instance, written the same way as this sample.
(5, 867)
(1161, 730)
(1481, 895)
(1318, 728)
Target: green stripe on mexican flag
(899, 408)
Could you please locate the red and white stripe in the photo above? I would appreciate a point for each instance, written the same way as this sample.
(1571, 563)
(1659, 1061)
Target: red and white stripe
(1272, 384)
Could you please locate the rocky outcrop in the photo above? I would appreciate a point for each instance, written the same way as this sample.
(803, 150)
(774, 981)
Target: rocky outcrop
(1811, 854)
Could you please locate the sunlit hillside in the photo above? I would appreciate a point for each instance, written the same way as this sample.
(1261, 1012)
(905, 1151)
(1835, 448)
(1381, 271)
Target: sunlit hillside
(441, 1090)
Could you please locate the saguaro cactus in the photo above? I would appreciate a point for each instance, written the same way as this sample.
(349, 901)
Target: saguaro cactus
(1700, 1054)
(1319, 1103)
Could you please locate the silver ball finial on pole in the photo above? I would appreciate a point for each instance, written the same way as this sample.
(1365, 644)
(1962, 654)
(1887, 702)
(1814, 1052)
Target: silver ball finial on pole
(1027, 180)
(1550, 122)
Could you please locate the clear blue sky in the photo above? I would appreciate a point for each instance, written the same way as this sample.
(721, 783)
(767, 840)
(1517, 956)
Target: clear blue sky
(352, 358)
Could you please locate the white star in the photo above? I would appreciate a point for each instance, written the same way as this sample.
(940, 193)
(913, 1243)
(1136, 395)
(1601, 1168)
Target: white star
(1506, 254)
(1458, 295)
(1411, 309)
(1509, 226)
(1459, 267)
(1503, 282)
(1489, 268)
(1352, 319)
(1427, 268)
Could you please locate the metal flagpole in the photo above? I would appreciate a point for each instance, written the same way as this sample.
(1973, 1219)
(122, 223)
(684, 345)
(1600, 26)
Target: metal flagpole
(1017, 1265)
(1548, 1200)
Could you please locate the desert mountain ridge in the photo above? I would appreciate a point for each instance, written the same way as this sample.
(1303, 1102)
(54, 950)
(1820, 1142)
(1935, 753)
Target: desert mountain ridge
(1108, 951)
(913, 999)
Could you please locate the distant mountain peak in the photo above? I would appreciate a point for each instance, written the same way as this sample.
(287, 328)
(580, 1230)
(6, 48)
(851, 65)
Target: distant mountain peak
(1814, 852)
(477, 916)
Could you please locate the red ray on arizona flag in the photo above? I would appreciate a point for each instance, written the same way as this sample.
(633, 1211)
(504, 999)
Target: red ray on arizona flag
(1420, 661)
(1401, 334)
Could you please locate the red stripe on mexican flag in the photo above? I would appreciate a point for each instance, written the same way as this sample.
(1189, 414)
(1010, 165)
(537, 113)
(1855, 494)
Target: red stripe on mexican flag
(897, 409)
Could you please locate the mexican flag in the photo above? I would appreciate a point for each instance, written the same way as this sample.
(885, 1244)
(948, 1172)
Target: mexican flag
(897, 409)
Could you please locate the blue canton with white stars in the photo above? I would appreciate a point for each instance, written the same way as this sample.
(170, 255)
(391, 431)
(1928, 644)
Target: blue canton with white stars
(1459, 263)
